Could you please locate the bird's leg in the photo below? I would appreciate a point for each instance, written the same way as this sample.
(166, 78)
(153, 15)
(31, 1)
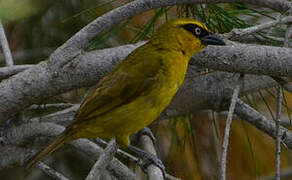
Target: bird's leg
(147, 159)
(145, 131)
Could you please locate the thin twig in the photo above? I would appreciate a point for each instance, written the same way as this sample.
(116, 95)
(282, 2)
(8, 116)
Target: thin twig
(6, 72)
(278, 111)
(130, 157)
(280, 39)
(51, 172)
(237, 33)
(45, 106)
(8, 59)
(103, 161)
(227, 128)
(201, 74)
(5, 46)
(278, 134)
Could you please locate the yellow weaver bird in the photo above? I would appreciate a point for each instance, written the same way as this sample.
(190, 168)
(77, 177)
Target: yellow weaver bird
(136, 92)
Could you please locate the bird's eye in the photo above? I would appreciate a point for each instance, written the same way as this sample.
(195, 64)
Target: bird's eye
(198, 31)
(195, 30)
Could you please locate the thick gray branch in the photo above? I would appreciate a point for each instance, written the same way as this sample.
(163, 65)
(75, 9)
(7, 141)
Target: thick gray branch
(21, 140)
(38, 83)
(249, 59)
(213, 87)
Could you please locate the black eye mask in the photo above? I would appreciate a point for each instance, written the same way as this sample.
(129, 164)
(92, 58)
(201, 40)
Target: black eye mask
(193, 29)
(206, 37)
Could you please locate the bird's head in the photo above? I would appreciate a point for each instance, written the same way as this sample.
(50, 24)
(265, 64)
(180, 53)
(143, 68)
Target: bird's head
(186, 35)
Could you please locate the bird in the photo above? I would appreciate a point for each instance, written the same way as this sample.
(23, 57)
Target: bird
(137, 91)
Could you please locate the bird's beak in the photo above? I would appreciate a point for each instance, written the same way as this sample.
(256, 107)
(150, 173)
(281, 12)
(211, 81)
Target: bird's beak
(212, 39)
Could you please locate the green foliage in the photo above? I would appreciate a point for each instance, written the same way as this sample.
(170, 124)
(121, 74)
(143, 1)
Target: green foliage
(216, 17)
(174, 122)
(148, 29)
(251, 150)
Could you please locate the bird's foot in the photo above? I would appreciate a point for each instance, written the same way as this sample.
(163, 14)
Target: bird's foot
(145, 131)
(147, 159)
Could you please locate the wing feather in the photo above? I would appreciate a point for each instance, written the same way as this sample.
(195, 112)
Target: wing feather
(119, 87)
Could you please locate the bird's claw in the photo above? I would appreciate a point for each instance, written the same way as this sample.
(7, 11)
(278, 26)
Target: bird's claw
(151, 159)
(147, 159)
(145, 131)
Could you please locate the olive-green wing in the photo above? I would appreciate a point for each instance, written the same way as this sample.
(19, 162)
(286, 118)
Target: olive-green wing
(127, 82)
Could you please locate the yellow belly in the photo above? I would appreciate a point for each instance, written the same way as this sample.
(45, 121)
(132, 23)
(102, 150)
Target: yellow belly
(139, 112)
(128, 118)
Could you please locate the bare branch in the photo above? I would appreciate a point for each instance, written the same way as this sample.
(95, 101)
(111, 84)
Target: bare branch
(64, 69)
(6, 72)
(45, 106)
(131, 157)
(51, 172)
(226, 58)
(238, 33)
(13, 152)
(5, 46)
(278, 135)
(80, 40)
(103, 161)
(120, 152)
(154, 173)
(38, 83)
(210, 91)
(235, 58)
(280, 39)
(227, 128)
(63, 117)
(279, 106)
(247, 113)
(44, 80)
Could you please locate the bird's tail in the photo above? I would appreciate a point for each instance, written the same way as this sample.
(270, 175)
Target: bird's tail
(58, 142)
